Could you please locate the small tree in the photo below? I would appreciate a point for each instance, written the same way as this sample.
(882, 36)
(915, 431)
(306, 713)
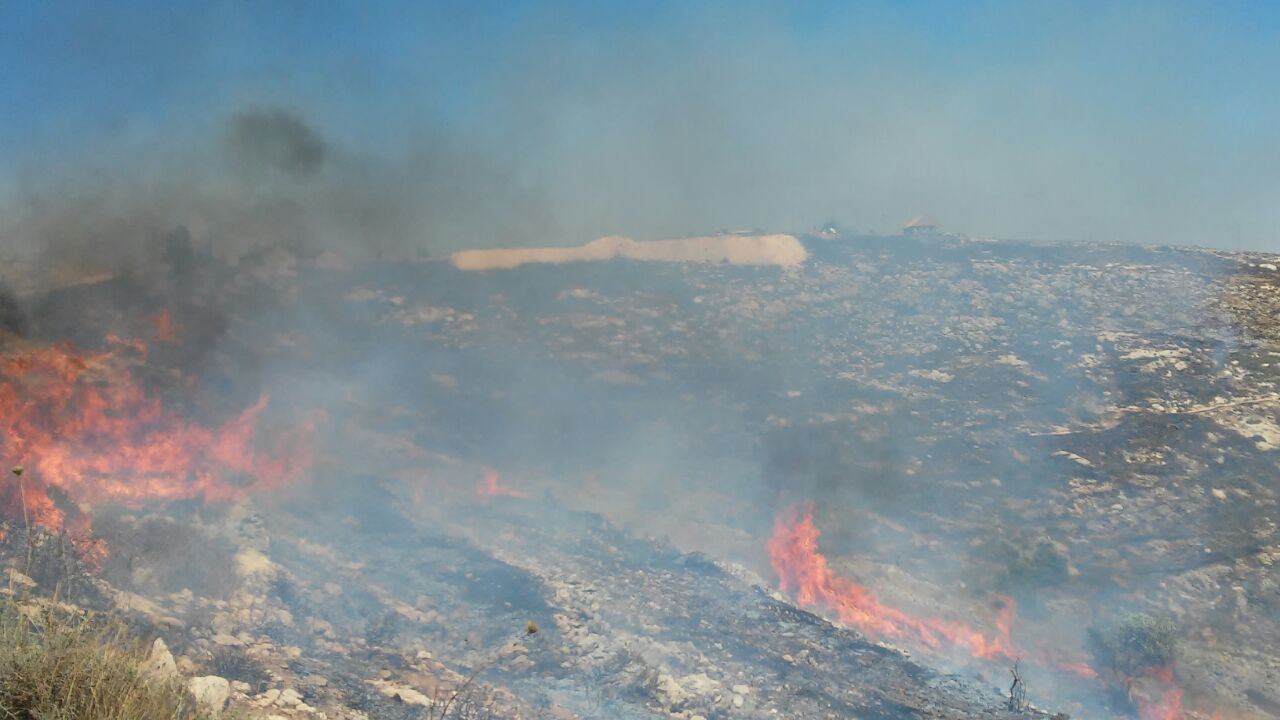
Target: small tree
(1135, 644)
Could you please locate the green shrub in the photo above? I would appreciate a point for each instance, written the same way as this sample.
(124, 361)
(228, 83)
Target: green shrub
(1135, 644)
(1039, 563)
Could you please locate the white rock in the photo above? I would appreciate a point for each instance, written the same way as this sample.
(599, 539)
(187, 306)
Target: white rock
(211, 691)
(270, 696)
(671, 689)
(407, 695)
(160, 665)
(741, 689)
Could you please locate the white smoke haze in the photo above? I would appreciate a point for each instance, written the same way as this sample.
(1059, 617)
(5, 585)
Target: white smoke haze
(914, 388)
(1039, 122)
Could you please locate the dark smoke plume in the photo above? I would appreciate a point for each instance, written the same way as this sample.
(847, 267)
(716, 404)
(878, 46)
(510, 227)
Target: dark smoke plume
(276, 139)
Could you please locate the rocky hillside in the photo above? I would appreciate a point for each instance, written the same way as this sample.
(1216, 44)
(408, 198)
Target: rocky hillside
(1004, 445)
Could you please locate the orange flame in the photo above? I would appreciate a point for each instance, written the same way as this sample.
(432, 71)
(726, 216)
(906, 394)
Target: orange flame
(490, 488)
(1078, 668)
(803, 571)
(1156, 695)
(166, 330)
(90, 432)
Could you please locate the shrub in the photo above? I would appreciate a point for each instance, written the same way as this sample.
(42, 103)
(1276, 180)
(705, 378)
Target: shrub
(1135, 644)
(1040, 563)
(56, 667)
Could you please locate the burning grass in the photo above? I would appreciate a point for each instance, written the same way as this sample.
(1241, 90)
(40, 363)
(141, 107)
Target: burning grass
(804, 571)
(1138, 650)
(54, 667)
(89, 430)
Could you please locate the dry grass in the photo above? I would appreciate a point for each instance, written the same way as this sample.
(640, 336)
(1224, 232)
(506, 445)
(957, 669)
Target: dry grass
(55, 666)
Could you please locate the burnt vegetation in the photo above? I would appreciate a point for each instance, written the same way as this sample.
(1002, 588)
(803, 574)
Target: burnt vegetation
(948, 441)
(155, 553)
(234, 663)
(52, 561)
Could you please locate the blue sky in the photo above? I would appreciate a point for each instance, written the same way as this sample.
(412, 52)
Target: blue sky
(1139, 122)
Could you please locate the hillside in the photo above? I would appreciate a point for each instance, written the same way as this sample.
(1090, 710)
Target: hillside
(860, 484)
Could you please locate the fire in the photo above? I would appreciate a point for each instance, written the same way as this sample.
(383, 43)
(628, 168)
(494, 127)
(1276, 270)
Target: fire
(1156, 696)
(803, 571)
(88, 431)
(1078, 668)
(490, 487)
(166, 330)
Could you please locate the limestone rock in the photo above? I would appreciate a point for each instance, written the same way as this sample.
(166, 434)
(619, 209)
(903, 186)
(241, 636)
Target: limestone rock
(210, 691)
(159, 665)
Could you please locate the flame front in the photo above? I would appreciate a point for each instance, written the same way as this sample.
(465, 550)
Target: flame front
(86, 429)
(1156, 695)
(803, 571)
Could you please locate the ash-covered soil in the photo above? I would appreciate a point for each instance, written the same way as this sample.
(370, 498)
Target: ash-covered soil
(1088, 430)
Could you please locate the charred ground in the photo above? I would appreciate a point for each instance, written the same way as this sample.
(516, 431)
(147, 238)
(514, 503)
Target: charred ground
(1088, 429)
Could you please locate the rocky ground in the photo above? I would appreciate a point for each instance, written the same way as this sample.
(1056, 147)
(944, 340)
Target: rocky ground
(526, 610)
(1089, 429)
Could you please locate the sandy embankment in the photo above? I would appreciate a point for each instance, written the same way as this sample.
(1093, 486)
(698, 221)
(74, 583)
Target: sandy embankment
(779, 250)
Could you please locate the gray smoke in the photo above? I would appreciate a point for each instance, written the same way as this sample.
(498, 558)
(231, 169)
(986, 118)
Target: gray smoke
(262, 178)
(272, 139)
(559, 124)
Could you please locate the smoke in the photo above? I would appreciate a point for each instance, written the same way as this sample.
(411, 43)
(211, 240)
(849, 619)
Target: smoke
(278, 140)
(265, 178)
(446, 128)
(12, 317)
(266, 140)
